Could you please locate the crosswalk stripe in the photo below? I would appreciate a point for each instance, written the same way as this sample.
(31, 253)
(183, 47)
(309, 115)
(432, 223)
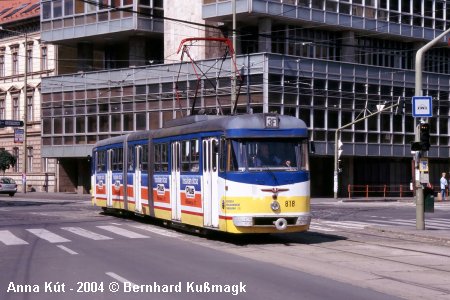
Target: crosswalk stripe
(70, 251)
(320, 228)
(48, 236)
(123, 232)
(344, 225)
(7, 238)
(428, 223)
(441, 220)
(159, 231)
(86, 233)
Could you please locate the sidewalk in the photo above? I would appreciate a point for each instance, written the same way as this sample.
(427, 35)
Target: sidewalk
(48, 196)
(440, 235)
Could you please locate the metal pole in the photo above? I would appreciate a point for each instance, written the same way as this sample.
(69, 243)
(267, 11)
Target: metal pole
(25, 116)
(336, 162)
(420, 209)
(233, 67)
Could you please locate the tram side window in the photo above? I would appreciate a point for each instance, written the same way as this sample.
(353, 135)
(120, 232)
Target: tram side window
(144, 158)
(190, 156)
(236, 156)
(303, 156)
(101, 161)
(130, 156)
(117, 159)
(161, 158)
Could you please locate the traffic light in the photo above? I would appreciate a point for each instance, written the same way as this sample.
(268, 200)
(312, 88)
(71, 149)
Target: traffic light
(424, 131)
(400, 109)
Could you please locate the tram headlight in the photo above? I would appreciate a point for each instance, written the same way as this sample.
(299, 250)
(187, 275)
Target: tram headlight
(243, 221)
(275, 205)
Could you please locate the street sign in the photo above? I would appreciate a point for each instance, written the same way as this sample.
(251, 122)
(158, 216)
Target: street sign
(18, 135)
(11, 123)
(422, 106)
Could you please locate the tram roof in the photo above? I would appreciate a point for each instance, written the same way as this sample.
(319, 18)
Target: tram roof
(209, 123)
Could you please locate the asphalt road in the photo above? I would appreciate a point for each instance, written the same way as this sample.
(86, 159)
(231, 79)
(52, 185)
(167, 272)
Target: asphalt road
(66, 249)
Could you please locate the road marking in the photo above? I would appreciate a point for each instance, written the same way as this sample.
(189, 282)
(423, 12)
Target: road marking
(67, 250)
(344, 224)
(428, 223)
(159, 231)
(123, 232)
(320, 228)
(119, 278)
(7, 238)
(48, 236)
(4, 209)
(86, 233)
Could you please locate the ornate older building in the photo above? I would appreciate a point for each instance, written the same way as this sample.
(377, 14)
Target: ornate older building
(21, 48)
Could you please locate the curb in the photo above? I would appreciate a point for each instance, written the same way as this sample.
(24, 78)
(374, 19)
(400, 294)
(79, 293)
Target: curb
(423, 234)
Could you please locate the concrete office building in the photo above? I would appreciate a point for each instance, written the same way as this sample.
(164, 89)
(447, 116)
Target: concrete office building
(17, 19)
(323, 61)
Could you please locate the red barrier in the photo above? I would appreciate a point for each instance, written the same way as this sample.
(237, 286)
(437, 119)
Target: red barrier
(385, 190)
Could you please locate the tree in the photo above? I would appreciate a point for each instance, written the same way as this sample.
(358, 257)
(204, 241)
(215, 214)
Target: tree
(6, 160)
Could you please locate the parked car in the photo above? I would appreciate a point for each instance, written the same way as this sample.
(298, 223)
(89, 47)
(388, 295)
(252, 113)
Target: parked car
(8, 186)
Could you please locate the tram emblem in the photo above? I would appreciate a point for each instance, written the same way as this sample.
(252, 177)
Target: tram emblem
(160, 190)
(190, 191)
(117, 185)
(100, 184)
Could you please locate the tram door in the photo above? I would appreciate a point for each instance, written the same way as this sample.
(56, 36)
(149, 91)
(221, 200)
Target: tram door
(108, 179)
(175, 197)
(137, 182)
(210, 168)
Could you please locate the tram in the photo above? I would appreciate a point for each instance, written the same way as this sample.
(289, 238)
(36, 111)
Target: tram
(237, 174)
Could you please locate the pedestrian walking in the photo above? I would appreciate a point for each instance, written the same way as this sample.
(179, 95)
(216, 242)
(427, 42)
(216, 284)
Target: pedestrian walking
(444, 184)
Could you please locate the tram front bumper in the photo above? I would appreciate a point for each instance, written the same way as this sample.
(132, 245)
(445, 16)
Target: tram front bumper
(264, 221)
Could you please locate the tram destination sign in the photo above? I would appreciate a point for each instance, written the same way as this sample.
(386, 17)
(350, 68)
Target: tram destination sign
(272, 121)
(11, 123)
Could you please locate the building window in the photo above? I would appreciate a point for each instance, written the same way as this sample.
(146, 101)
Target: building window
(15, 60)
(44, 164)
(44, 59)
(46, 10)
(30, 159)
(68, 7)
(79, 6)
(15, 104)
(57, 8)
(16, 155)
(29, 58)
(2, 65)
(2, 107)
(30, 116)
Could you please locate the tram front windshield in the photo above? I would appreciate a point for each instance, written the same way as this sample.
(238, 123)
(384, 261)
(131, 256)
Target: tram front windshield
(261, 155)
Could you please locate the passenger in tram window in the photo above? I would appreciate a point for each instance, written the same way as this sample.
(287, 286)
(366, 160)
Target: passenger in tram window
(264, 158)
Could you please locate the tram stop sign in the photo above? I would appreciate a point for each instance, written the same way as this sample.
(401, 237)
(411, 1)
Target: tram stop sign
(10, 123)
(422, 106)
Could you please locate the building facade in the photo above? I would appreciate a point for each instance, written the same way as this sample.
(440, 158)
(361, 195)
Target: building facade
(326, 62)
(21, 48)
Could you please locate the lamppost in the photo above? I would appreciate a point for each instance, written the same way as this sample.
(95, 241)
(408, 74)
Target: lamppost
(25, 108)
(420, 208)
(336, 144)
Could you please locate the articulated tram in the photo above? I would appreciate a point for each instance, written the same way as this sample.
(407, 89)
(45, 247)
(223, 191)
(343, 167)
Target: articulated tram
(237, 174)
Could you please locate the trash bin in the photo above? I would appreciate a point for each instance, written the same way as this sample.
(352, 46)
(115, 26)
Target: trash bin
(428, 197)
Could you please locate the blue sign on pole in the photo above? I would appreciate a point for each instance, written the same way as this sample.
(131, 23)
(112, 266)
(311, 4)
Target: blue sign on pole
(422, 106)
